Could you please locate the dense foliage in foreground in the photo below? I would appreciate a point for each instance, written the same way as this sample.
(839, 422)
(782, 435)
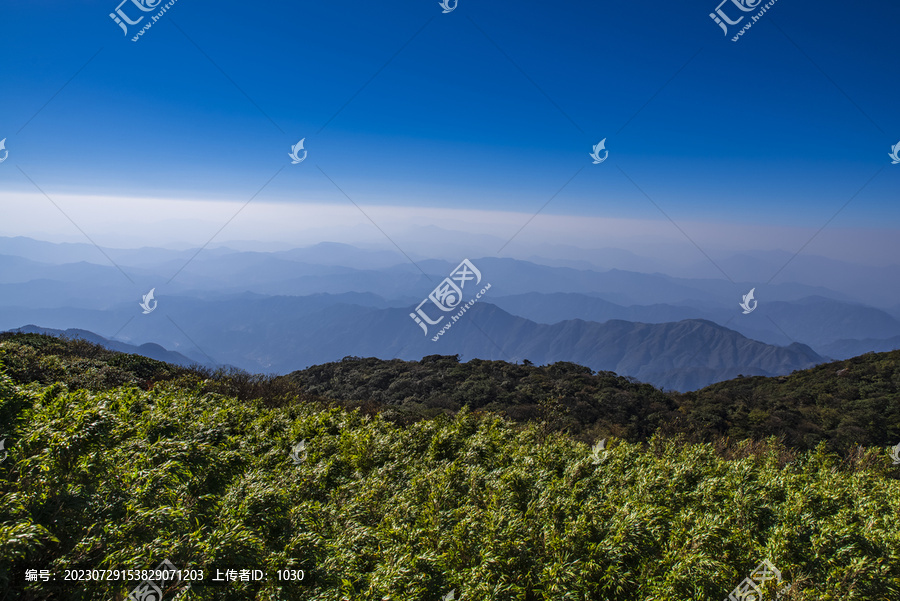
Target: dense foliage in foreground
(117, 476)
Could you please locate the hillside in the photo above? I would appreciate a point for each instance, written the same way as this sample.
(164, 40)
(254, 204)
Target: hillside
(145, 463)
(856, 401)
(151, 350)
(843, 404)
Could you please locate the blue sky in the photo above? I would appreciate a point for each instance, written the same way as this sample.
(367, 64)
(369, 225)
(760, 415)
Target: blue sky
(493, 106)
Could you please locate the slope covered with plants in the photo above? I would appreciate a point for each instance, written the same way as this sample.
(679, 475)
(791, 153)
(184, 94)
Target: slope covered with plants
(846, 403)
(123, 466)
(843, 404)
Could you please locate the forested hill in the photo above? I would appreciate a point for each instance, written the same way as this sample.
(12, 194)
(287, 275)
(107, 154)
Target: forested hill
(114, 464)
(845, 403)
(571, 397)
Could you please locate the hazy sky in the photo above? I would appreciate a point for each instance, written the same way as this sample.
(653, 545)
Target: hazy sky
(478, 118)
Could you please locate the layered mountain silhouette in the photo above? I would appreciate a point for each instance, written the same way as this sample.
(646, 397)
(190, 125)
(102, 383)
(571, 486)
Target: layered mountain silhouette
(281, 310)
(831, 327)
(684, 355)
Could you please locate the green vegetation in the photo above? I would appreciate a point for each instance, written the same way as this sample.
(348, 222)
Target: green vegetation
(117, 461)
(843, 404)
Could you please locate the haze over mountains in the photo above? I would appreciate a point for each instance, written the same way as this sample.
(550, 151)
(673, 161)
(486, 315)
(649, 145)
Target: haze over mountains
(282, 310)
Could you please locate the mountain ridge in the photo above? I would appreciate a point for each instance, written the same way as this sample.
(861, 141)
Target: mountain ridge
(150, 350)
(842, 404)
(683, 355)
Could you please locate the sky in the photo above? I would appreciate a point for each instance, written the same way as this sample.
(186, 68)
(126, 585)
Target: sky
(482, 118)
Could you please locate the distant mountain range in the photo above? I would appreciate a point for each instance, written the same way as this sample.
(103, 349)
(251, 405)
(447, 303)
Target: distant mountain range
(841, 280)
(831, 327)
(284, 310)
(685, 355)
